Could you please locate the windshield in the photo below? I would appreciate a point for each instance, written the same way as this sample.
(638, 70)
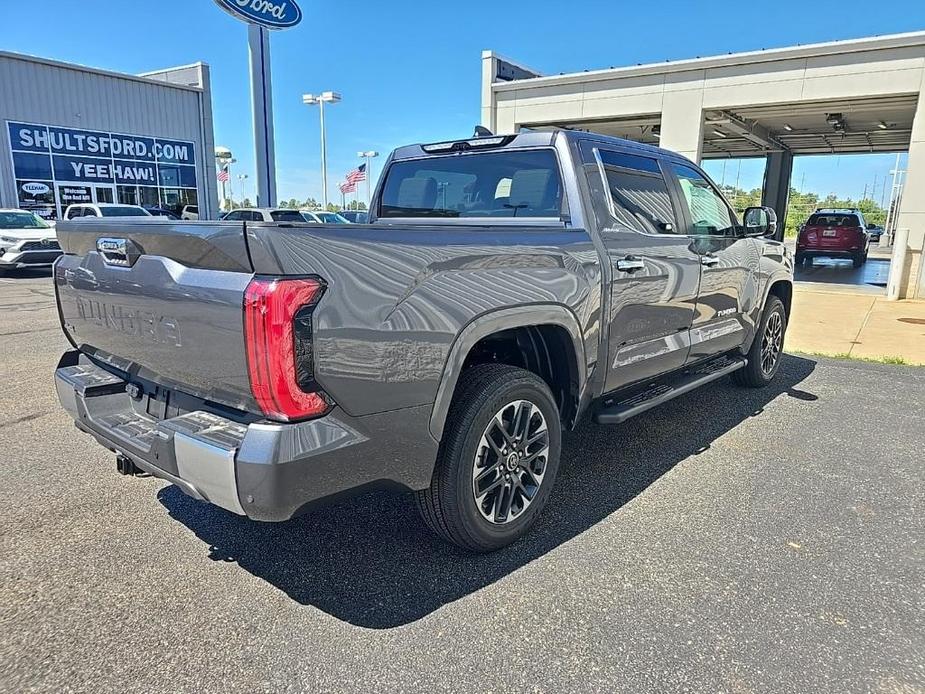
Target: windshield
(286, 216)
(485, 184)
(331, 218)
(124, 211)
(21, 220)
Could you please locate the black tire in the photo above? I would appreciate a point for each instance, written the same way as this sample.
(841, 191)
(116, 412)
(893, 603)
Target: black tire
(754, 374)
(449, 505)
(808, 261)
(858, 259)
(799, 259)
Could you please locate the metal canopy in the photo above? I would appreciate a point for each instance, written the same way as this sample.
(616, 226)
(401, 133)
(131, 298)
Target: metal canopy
(866, 125)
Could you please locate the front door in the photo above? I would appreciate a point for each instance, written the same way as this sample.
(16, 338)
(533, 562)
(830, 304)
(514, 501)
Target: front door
(83, 193)
(655, 272)
(729, 281)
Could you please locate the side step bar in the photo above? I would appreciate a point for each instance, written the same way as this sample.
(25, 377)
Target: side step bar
(657, 392)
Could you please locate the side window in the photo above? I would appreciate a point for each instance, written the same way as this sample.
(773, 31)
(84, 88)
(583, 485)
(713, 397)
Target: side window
(233, 216)
(254, 216)
(74, 213)
(710, 215)
(639, 193)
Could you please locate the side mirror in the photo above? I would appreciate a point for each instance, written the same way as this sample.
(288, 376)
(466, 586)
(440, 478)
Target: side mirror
(760, 221)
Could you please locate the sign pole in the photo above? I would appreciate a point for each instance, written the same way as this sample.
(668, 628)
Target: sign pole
(258, 39)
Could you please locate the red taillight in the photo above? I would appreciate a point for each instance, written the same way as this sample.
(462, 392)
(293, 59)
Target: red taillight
(270, 308)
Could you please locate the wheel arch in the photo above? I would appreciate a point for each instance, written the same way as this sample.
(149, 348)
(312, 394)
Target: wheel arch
(781, 287)
(508, 321)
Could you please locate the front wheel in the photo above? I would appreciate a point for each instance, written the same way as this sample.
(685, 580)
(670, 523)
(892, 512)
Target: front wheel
(498, 459)
(767, 348)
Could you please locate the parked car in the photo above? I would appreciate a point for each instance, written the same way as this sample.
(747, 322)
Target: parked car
(263, 214)
(355, 216)
(875, 231)
(506, 287)
(26, 240)
(190, 212)
(105, 210)
(163, 212)
(318, 217)
(834, 233)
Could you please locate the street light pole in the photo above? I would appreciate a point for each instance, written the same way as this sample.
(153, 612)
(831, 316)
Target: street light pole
(320, 99)
(368, 156)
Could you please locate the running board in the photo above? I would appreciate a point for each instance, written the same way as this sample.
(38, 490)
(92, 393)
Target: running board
(657, 392)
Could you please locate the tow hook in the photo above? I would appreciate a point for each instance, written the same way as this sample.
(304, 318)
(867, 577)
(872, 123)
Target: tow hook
(124, 466)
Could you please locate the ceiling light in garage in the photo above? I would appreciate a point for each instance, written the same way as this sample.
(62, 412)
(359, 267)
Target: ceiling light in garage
(788, 127)
(882, 125)
(720, 133)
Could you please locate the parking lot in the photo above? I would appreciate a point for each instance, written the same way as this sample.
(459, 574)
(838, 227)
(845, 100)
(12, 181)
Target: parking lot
(731, 540)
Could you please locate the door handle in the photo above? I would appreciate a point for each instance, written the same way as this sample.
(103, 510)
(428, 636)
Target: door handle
(709, 260)
(630, 264)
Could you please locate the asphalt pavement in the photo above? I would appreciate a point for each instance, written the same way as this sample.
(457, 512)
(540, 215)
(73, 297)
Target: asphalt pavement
(730, 541)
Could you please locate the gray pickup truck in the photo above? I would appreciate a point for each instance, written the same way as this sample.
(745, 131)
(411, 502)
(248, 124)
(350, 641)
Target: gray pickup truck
(505, 288)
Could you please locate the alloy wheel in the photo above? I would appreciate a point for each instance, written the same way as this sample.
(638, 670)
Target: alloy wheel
(772, 343)
(510, 462)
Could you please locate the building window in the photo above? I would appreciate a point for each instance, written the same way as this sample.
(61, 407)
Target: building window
(37, 197)
(132, 169)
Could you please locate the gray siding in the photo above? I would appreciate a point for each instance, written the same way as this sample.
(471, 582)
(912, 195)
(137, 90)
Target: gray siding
(38, 91)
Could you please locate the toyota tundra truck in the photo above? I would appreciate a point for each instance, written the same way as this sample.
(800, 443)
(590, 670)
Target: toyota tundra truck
(504, 289)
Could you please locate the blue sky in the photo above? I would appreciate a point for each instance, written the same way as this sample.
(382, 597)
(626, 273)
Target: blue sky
(410, 71)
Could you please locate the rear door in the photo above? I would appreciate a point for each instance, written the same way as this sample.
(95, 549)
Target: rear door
(655, 272)
(728, 261)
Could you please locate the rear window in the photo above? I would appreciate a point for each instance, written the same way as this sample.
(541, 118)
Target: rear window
(487, 184)
(286, 216)
(833, 220)
(127, 211)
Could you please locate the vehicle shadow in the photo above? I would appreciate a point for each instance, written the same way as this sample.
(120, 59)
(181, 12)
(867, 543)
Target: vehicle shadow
(29, 273)
(371, 562)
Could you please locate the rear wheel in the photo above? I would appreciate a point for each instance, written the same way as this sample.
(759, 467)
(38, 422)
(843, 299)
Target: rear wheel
(859, 259)
(498, 459)
(767, 348)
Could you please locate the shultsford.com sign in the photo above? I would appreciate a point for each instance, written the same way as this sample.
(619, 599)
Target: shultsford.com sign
(276, 14)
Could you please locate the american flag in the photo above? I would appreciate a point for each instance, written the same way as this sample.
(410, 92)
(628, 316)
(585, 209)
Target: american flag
(357, 175)
(223, 176)
(348, 187)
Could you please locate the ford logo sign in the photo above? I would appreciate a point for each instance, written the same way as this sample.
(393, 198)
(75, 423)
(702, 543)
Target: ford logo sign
(272, 14)
(35, 188)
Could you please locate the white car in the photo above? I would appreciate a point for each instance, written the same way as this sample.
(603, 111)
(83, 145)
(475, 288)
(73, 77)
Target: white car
(190, 212)
(319, 217)
(105, 210)
(26, 240)
(263, 214)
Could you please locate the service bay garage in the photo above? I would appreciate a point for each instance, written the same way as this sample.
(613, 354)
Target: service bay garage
(73, 134)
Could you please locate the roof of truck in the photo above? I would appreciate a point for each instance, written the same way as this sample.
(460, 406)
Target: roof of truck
(542, 138)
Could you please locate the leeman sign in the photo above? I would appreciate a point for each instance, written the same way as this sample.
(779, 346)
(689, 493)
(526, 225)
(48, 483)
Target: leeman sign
(278, 14)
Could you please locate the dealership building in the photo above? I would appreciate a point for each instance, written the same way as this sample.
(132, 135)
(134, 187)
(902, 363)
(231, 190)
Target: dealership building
(73, 134)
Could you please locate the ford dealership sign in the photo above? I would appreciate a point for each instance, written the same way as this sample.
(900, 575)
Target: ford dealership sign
(272, 14)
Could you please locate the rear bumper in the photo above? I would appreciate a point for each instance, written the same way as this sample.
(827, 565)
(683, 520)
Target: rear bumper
(265, 471)
(828, 252)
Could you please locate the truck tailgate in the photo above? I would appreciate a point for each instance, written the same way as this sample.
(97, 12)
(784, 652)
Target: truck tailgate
(167, 310)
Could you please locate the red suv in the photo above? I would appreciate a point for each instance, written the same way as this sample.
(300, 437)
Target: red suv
(834, 234)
